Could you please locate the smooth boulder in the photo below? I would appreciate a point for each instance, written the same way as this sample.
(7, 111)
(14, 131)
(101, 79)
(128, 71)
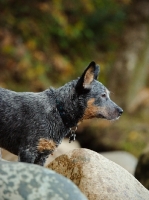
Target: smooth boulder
(21, 181)
(122, 158)
(97, 177)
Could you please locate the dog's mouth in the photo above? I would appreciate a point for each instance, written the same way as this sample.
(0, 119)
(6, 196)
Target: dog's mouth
(101, 116)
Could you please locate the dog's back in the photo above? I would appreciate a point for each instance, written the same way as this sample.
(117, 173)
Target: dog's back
(19, 113)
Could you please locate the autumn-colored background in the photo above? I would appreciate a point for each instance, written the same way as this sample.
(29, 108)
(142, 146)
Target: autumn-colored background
(48, 43)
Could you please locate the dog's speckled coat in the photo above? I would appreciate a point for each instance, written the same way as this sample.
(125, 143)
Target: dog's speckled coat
(32, 125)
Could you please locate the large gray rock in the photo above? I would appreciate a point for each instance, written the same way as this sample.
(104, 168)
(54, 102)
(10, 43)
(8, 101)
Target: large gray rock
(122, 158)
(21, 181)
(97, 177)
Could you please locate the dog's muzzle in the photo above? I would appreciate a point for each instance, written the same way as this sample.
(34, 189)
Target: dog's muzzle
(120, 111)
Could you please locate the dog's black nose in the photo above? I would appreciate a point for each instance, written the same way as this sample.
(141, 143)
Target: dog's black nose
(120, 110)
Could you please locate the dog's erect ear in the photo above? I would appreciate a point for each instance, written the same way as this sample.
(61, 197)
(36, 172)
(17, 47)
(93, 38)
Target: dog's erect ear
(90, 73)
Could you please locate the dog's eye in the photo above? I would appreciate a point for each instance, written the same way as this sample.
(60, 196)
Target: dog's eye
(103, 95)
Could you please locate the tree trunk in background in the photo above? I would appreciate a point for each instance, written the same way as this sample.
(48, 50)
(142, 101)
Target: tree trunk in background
(131, 68)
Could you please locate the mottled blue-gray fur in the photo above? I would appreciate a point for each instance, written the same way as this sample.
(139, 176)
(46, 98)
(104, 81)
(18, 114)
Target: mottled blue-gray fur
(26, 117)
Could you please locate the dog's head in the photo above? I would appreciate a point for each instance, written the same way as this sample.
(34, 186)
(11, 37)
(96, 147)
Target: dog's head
(98, 102)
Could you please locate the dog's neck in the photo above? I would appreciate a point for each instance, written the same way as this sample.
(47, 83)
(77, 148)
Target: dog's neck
(67, 105)
(65, 115)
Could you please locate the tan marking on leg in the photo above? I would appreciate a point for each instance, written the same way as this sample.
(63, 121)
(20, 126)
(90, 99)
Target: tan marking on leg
(45, 144)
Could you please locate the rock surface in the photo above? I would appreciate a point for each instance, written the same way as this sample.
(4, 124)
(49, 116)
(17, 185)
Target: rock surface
(97, 177)
(20, 181)
(122, 158)
(64, 147)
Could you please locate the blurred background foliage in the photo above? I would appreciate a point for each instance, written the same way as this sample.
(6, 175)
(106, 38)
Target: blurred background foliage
(47, 43)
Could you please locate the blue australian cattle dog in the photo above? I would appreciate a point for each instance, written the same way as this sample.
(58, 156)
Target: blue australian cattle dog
(32, 125)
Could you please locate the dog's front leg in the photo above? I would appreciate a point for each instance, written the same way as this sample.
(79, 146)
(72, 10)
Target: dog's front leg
(45, 147)
(27, 155)
(41, 157)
